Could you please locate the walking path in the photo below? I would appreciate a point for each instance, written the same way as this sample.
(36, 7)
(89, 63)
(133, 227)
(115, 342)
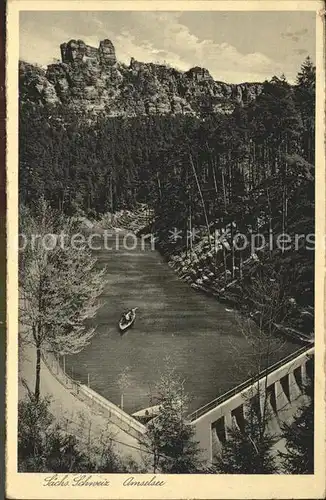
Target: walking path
(79, 417)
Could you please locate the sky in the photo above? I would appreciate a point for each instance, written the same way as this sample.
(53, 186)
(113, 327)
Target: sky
(234, 46)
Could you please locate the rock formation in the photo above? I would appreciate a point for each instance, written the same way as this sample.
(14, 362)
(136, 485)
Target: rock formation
(107, 53)
(78, 51)
(91, 79)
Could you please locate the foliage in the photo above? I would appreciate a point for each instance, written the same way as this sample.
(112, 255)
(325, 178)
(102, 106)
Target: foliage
(59, 284)
(305, 97)
(44, 445)
(113, 163)
(250, 170)
(249, 450)
(299, 437)
(169, 437)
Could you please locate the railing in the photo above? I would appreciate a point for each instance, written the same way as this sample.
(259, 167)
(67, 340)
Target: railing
(244, 385)
(116, 415)
(122, 420)
(53, 365)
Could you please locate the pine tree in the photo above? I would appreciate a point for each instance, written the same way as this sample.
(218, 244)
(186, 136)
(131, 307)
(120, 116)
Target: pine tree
(299, 437)
(305, 93)
(169, 437)
(306, 77)
(247, 451)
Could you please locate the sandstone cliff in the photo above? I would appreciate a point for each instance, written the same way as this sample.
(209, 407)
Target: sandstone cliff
(92, 79)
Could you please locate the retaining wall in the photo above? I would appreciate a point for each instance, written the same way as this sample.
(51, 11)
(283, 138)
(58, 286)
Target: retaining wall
(123, 420)
(117, 416)
(284, 396)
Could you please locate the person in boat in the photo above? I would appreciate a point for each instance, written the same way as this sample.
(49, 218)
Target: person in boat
(126, 317)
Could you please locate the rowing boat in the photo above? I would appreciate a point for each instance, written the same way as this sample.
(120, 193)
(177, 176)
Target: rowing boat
(123, 324)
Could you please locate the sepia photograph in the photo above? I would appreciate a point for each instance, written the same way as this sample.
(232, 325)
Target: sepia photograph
(167, 245)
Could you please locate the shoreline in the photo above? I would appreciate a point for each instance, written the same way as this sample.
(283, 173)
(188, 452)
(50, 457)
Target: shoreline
(201, 280)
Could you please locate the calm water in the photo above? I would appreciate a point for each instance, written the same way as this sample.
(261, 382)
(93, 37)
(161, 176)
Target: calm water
(195, 332)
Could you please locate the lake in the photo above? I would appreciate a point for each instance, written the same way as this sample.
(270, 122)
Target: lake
(194, 332)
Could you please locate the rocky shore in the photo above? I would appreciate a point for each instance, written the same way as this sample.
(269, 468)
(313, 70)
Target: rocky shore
(202, 267)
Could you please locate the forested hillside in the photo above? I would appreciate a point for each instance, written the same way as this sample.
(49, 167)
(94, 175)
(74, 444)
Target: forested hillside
(249, 171)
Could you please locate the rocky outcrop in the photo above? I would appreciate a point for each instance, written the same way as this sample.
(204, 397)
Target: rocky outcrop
(91, 79)
(78, 51)
(34, 85)
(198, 74)
(107, 53)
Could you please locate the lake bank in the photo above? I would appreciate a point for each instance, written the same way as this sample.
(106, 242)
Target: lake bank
(202, 266)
